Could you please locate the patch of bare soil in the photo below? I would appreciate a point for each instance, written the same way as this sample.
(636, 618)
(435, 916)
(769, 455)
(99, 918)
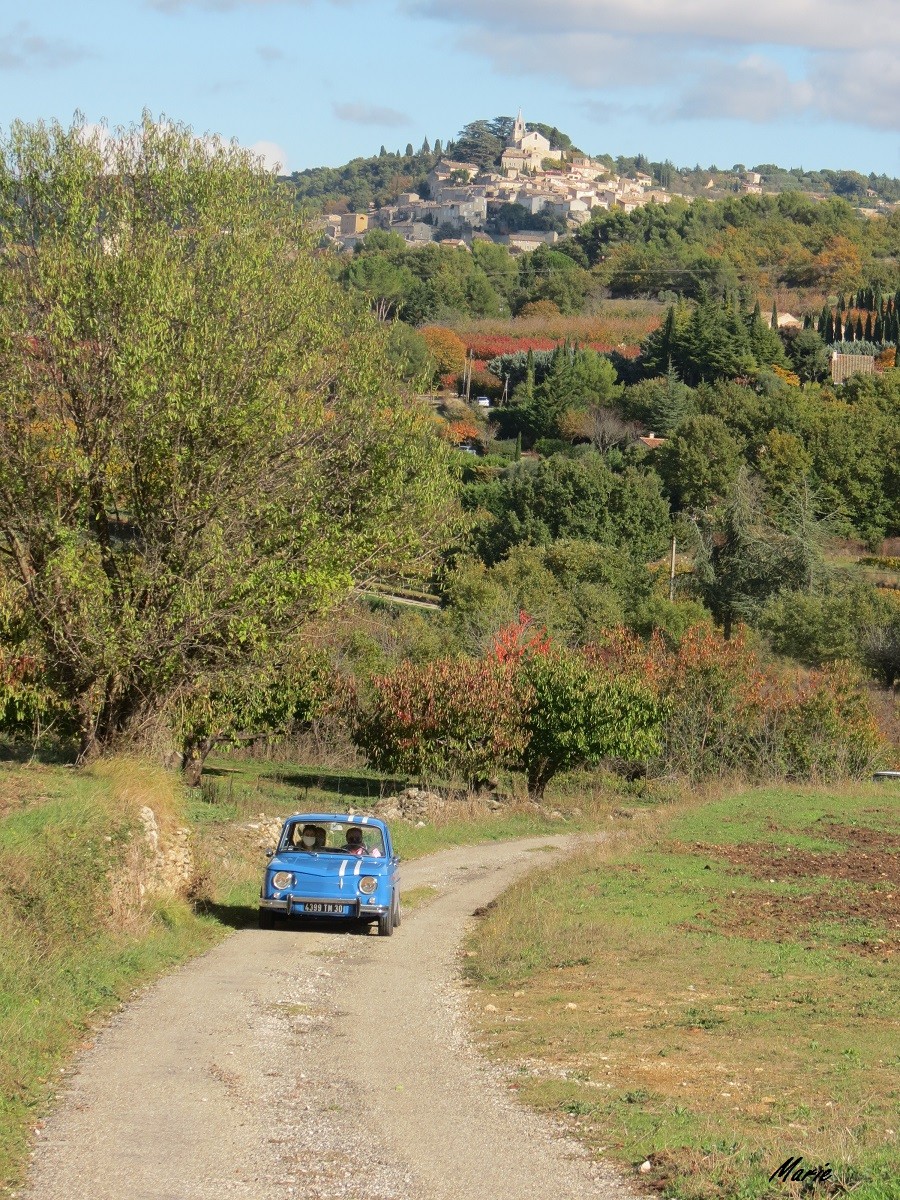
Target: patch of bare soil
(862, 902)
(872, 856)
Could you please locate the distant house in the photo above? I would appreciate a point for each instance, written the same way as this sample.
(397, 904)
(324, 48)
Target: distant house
(651, 441)
(845, 365)
(530, 239)
(352, 223)
(785, 321)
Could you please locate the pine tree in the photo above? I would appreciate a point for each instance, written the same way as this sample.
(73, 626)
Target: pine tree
(672, 406)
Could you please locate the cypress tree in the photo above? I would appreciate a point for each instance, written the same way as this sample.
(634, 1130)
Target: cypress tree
(382, 153)
(807, 321)
(409, 150)
(878, 329)
(774, 316)
(823, 321)
(829, 330)
(868, 327)
(842, 303)
(860, 299)
(859, 329)
(838, 333)
(878, 300)
(517, 457)
(848, 329)
(437, 145)
(426, 149)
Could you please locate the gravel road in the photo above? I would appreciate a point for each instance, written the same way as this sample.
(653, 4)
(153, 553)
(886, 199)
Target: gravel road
(320, 1065)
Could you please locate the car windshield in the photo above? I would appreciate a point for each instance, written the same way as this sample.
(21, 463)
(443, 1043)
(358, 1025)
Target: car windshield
(333, 837)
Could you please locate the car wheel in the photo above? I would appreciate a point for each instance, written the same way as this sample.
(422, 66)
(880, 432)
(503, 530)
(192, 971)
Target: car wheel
(397, 910)
(386, 923)
(266, 919)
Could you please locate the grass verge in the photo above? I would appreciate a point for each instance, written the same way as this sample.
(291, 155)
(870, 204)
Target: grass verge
(73, 944)
(715, 996)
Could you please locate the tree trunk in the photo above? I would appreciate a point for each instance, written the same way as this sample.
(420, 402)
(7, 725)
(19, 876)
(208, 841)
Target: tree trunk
(539, 775)
(196, 752)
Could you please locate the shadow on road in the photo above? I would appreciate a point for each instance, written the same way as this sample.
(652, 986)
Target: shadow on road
(245, 916)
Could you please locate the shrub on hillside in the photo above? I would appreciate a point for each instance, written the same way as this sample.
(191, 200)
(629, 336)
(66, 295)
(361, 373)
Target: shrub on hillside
(447, 350)
(453, 716)
(725, 712)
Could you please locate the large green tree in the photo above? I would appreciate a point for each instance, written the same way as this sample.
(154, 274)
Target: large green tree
(200, 444)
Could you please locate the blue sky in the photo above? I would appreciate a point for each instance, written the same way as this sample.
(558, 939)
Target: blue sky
(310, 82)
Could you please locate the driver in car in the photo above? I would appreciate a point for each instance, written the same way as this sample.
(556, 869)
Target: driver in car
(353, 841)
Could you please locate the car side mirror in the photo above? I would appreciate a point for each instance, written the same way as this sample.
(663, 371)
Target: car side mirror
(269, 853)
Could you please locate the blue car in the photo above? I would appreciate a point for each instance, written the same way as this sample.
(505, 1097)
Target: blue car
(339, 868)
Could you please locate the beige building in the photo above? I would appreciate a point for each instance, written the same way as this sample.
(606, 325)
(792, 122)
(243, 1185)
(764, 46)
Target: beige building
(526, 151)
(352, 223)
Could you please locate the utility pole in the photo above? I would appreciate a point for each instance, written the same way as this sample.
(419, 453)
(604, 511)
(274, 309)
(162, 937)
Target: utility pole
(672, 572)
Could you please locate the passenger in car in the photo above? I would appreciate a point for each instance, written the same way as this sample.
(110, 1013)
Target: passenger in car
(309, 838)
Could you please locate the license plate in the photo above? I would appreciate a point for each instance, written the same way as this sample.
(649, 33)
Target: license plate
(324, 908)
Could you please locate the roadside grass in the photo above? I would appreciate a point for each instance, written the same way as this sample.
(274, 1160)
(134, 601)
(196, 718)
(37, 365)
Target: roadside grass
(714, 991)
(73, 945)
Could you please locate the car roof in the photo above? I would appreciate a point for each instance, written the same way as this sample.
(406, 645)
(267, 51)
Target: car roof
(344, 818)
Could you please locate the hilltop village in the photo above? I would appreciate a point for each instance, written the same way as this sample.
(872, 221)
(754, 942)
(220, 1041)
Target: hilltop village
(542, 179)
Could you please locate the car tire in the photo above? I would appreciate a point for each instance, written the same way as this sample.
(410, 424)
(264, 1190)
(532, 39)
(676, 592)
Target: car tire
(386, 923)
(397, 914)
(266, 919)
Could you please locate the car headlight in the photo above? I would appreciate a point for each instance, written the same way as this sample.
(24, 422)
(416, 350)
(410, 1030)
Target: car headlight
(282, 879)
(368, 884)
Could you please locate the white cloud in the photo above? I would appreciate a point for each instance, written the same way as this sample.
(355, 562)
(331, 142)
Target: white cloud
(23, 50)
(803, 23)
(696, 59)
(272, 155)
(754, 89)
(369, 114)
(863, 88)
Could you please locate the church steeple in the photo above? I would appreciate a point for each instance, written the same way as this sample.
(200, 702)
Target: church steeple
(518, 128)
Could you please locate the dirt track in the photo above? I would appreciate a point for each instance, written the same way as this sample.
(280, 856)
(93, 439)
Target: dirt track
(307, 1064)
